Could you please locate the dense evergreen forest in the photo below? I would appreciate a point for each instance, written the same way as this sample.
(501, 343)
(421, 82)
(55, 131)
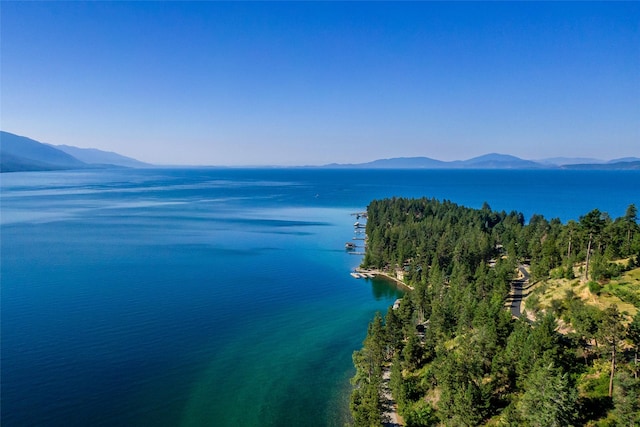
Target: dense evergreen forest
(457, 357)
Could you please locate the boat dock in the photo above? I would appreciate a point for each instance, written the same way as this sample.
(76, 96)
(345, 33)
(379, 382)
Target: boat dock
(362, 275)
(359, 231)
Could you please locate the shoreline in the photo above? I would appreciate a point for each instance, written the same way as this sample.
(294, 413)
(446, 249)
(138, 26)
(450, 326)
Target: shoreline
(385, 275)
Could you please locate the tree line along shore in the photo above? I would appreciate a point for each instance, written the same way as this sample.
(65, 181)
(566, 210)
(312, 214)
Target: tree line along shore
(456, 357)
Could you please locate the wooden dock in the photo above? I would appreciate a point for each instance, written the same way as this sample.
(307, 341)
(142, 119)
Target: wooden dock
(362, 274)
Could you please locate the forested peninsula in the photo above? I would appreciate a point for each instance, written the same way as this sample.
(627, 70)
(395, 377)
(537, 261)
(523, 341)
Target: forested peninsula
(453, 354)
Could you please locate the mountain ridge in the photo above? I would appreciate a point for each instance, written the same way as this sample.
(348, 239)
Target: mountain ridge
(23, 154)
(94, 156)
(20, 153)
(488, 161)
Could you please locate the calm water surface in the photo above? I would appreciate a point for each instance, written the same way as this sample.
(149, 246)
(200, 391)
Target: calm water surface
(213, 297)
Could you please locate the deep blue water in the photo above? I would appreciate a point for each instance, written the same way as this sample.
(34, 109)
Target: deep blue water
(213, 297)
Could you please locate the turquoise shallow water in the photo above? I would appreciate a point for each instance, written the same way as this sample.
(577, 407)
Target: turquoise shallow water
(213, 297)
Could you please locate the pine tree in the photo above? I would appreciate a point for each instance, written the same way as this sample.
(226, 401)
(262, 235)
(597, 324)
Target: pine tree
(631, 218)
(549, 399)
(612, 333)
(633, 334)
(626, 400)
(591, 224)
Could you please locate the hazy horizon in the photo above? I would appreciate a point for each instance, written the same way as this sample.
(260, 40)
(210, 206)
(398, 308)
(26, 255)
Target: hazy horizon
(239, 84)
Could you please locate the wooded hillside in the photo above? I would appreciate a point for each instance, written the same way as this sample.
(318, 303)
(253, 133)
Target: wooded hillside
(458, 358)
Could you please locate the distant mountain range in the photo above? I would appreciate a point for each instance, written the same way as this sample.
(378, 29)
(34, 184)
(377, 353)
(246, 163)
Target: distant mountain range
(94, 156)
(22, 154)
(493, 161)
(19, 153)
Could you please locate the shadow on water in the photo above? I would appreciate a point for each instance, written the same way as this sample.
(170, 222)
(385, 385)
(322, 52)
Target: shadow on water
(385, 289)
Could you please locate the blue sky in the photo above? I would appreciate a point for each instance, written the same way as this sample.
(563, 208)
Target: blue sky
(314, 83)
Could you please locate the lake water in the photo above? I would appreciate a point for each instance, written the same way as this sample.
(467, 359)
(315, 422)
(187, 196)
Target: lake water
(213, 297)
